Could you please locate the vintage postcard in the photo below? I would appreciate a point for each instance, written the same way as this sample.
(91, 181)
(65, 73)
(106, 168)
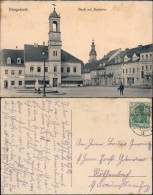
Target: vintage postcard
(76, 146)
(76, 49)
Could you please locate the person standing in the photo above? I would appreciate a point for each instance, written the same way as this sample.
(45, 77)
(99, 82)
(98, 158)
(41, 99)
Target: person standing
(37, 88)
(121, 88)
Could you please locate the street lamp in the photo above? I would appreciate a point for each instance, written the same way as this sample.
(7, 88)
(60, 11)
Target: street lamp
(44, 93)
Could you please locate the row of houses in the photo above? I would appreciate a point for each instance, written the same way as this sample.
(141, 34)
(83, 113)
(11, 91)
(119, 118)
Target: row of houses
(132, 67)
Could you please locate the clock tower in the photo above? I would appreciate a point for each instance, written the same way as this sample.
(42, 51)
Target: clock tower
(54, 49)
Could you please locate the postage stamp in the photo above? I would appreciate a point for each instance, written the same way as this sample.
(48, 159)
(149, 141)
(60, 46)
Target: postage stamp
(140, 118)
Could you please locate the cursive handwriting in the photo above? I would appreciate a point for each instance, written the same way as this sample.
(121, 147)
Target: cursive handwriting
(36, 146)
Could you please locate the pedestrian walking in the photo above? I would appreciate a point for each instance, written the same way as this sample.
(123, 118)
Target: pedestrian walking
(121, 88)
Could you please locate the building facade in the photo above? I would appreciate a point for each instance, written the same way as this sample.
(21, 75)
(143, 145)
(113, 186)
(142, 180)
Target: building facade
(12, 68)
(132, 67)
(60, 67)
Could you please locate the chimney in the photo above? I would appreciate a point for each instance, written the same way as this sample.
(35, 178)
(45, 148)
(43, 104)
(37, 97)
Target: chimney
(35, 44)
(44, 43)
(16, 47)
(126, 49)
(139, 46)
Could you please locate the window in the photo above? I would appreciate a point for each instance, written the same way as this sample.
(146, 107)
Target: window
(31, 82)
(12, 71)
(150, 67)
(133, 70)
(38, 69)
(62, 69)
(18, 60)
(142, 74)
(12, 82)
(130, 70)
(68, 69)
(20, 72)
(6, 71)
(151, 55)
(126, 70)
(74, 69)
(55, 68)
(8, 60)
(54, 53)
(20, 82)
(146, 57)
(137, 69)
(123, 70)
(142, 57)
(42, 82)
(54, 26)
(132, 80)
(31, 69)
(146, 67)
(142, 67)
(46, 69)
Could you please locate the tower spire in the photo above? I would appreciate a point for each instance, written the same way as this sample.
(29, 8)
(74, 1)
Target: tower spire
(54, 6)
(92, 53)
(93, 40)
(54, 14)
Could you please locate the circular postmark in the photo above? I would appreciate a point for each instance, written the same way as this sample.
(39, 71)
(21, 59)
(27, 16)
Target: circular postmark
(140, 120)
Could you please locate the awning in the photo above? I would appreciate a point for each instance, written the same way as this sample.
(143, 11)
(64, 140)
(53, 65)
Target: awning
(40, 78)
(72, 79)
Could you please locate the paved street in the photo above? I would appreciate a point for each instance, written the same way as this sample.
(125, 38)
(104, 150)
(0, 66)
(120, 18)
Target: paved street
(91, 91)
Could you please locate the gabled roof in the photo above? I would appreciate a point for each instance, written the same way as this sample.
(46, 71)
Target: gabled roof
(13, 54)
(120, 55)
(130, 52)
(67, 57)
(35, 54)
(110, 54)
(95, 65)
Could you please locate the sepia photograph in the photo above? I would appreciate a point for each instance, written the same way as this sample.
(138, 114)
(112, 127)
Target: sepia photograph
(76, 49)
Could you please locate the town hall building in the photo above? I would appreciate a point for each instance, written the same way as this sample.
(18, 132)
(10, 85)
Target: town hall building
(23, 68)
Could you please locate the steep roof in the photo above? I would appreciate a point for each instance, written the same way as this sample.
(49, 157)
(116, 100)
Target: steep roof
(67, 57)
(33, 53)
(110, 54)
(13, 54)
(130, 52)
(120, 55)
(95, 65)
(147, 48)
(54, 14)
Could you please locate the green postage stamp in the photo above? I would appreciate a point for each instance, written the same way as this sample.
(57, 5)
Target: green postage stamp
(140, 118)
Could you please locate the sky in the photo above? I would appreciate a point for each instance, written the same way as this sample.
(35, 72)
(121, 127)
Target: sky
(125, 24)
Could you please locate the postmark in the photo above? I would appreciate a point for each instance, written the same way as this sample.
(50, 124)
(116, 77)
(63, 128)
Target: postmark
(140, 118)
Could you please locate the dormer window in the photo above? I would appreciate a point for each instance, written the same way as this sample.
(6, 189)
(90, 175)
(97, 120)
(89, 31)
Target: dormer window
(18, 60)
(8, 60)
(126, 59)
(119, 60)
(134, 57)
